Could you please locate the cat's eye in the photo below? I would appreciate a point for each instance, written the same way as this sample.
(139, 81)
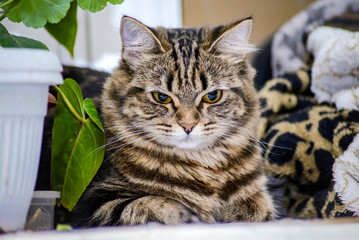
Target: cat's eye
(161, 98)
(213, 96)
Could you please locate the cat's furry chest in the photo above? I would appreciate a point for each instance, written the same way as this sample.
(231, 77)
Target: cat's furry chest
(211, 175)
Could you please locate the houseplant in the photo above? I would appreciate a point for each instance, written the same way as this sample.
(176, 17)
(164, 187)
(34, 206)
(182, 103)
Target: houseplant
(58, 17)
(30, 72)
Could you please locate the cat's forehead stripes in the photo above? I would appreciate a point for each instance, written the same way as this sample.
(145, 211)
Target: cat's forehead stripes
(185, 44)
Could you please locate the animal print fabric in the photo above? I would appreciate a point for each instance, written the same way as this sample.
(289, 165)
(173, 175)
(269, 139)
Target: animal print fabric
(302, 140)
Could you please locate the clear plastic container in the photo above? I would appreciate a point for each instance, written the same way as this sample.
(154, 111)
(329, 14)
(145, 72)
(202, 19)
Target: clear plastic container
(42, 211)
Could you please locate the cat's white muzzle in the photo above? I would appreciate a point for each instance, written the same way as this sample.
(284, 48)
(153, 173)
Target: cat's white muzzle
(192, 140)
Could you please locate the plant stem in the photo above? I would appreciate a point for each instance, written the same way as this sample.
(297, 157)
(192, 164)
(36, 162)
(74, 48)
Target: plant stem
(6, 3)
(2, 17)
(72, 109)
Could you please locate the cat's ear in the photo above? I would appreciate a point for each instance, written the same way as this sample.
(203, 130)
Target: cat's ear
(138, 41)
(233, 44)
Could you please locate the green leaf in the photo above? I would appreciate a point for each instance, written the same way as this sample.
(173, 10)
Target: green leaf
(114, 2)
(90, 109)
(13, 41)
(65, 31)
(36, 13)
(92, 5)
(64, 134)
(77, 144)
(63, 227)
(72, 91)
(96, 5)
(87, 157)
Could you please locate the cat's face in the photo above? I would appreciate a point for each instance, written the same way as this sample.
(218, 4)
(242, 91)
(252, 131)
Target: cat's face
(181, 88)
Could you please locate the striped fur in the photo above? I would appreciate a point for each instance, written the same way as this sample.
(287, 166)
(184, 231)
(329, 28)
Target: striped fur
(160, 173)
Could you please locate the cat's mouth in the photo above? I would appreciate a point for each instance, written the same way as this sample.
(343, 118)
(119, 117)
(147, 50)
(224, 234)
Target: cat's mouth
(178, 138)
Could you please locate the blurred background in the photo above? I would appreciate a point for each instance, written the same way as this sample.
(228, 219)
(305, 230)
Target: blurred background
(98, 42)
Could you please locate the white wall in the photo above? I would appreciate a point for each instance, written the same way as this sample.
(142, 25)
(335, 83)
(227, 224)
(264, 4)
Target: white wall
(98, 42)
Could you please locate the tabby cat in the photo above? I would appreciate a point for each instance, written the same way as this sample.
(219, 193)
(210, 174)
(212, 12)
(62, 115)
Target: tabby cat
(180, 115)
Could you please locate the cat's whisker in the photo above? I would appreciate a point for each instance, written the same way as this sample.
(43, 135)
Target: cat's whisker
(118, 148)
(276, 146)
(120, 128)
(128, 136)
(252, 136)
(97, 149)
(243, 144)
(213, 138)
(117, 139)
(242, 140)
(126, 143)
(129, 130)
(262, 142)
(125, 127)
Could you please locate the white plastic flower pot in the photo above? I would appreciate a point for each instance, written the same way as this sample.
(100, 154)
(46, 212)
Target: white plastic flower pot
(25, 76)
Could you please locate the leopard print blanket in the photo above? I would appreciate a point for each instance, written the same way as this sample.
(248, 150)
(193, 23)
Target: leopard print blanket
(303, 136)
(301, 140)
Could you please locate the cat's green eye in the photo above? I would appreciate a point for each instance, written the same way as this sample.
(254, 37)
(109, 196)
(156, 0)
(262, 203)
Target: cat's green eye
(161, 98)
(213, 96)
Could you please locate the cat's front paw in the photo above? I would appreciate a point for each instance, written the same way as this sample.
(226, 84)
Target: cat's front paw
(156, 209)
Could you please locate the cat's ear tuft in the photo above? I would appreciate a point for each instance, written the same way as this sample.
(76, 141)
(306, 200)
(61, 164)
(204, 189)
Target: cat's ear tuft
(138, 41)
(233, 44)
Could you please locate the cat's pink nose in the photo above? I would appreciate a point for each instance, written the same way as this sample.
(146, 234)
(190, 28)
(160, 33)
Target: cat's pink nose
(187, 127)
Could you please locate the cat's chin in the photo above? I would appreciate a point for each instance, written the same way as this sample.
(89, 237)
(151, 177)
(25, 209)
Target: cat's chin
(187, 146)
(189, 143)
